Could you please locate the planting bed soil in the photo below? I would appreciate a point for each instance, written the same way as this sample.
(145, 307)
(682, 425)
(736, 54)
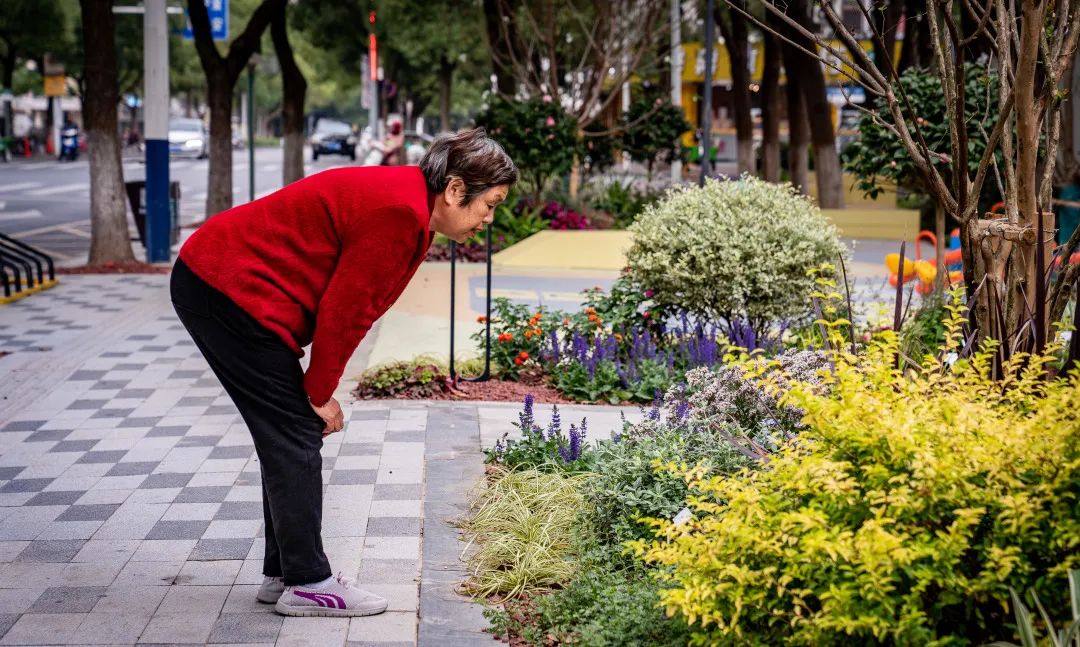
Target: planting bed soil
(135, 267)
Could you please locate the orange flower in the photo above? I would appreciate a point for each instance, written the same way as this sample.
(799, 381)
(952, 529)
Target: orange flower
(593, 317)
(566, 322)
(506, 337)
(590, 311)
(528, 333)
(538, 332)
(618, 337)
(481, 319)
(523, 355)
(518, 361)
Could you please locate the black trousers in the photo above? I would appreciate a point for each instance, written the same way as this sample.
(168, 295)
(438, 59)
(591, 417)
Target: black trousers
(265, 381)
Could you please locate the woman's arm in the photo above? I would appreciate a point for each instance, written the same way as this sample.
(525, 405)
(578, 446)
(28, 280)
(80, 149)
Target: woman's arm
(376, 261)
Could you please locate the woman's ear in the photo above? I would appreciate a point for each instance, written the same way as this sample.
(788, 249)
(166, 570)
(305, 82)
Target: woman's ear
(455, 191)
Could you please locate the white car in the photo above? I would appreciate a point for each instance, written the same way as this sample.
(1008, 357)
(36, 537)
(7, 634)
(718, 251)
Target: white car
(188, 137)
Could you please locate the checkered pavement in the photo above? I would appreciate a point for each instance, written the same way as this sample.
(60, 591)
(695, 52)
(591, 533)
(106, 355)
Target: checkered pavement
(130, 507)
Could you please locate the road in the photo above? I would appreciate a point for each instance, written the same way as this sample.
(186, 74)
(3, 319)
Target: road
(46, 203)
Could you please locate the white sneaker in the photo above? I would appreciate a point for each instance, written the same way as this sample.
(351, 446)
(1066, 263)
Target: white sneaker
(271, 590)
(340, 598)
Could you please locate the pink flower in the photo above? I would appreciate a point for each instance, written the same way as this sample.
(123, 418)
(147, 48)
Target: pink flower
(648, 294)
(547, 98)
(550, 121)
(551, 136)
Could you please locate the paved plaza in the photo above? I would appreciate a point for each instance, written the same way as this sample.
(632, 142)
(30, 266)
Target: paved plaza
(130, 508)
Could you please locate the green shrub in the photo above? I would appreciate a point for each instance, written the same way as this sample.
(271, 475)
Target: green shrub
(606, 604)
(902, 516)
(623, 202)
(733, 250)
(543, 448)
(517, 336)
(421, 377)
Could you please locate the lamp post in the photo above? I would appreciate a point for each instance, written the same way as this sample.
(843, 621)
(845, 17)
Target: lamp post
(706, 117)
(251, 124)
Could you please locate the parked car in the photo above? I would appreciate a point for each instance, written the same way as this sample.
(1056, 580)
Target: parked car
(333, 137)
(188, 137)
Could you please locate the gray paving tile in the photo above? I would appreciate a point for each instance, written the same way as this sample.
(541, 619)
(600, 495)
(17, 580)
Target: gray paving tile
(188, 529)
(68, 599)
(91, 512)
(72, 446)
(136, 468)
(135, 394)
(353, 477)
(199, 441)
(215, 549)
(25, 485)
(360, 449)
(388, 571)
(166, 480)
(112, 413)
(206, 494)
(394, 492)
(59, 497)
(87, 405)
(393, 527)
(48, 435)
(102, 456)
(139, 422)
(246, 628)
(411, 436)
(8, 473)
(233, 510)
(167, 431)
(6, 621)
(236, 451)
(24, 425)
(55, 550)
(370, 414)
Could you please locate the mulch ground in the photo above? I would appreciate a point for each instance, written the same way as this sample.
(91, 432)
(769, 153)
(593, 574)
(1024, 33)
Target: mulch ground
(492, 391)
(136, 267)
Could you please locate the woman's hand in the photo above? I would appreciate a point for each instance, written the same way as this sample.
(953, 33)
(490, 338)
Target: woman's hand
(331, 415)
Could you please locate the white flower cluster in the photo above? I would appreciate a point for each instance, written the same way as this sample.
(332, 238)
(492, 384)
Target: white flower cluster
(733, 250)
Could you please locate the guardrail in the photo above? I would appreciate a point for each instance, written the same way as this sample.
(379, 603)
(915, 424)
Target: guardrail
(24, 269)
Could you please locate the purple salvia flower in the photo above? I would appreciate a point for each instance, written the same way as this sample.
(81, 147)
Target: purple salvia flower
(554, 347)
(575, 443)
(555, 427)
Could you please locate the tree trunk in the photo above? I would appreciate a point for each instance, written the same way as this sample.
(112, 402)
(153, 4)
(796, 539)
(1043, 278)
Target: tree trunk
(733, 28)
(109, 237)
(770, 110)
(500, 43)
(818, 112)
(885, 21)
(293, 91)
(941, 278)
(446, 79)
(221, 75)
(798, 131)
(916, 50)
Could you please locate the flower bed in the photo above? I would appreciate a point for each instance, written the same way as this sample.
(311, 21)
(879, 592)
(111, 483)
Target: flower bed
(820, 497)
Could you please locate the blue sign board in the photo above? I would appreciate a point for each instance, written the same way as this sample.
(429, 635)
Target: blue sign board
(219, 20)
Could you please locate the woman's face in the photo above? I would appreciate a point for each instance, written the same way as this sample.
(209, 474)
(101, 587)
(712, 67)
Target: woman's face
(460, 223)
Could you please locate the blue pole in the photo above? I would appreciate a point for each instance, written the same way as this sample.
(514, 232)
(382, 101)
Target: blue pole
(156, 116)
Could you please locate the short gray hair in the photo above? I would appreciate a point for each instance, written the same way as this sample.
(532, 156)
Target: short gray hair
(471, 155)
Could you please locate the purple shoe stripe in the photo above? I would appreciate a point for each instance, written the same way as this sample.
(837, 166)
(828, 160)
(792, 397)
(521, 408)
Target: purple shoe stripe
(323, 599)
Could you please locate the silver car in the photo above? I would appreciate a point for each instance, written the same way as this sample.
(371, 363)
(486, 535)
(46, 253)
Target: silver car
(188, 137)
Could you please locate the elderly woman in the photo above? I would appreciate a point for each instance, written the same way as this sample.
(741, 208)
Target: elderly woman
(317, 263)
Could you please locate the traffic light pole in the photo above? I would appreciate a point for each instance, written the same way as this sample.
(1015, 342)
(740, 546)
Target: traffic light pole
(156, 117)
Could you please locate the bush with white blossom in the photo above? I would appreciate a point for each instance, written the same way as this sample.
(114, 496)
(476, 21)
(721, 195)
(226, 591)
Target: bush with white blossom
(733, 250)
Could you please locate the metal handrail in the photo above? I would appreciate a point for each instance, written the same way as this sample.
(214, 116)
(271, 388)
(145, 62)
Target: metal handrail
(486, 375)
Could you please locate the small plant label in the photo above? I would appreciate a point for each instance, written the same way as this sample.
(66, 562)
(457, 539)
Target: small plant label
(683, 516)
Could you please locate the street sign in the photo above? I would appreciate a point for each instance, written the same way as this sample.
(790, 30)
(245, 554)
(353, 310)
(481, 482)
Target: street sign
(54, 85)
(219, 20)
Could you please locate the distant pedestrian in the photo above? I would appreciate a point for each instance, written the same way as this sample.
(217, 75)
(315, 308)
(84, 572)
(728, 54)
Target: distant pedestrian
(318, 262)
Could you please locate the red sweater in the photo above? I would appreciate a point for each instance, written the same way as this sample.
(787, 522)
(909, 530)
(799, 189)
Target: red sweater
(320, 260)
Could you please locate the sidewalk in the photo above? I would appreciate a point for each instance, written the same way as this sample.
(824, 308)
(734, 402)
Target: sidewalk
(130, 497)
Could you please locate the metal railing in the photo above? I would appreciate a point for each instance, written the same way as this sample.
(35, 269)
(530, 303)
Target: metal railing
(486, 375)
(23, 269)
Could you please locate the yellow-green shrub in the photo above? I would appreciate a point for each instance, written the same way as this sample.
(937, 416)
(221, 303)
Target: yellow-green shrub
(901, 516)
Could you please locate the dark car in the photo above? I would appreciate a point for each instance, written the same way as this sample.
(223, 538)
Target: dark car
(332, 137)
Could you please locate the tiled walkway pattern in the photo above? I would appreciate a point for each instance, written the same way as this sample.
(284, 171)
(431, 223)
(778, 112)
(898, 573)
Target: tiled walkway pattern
(130, 501)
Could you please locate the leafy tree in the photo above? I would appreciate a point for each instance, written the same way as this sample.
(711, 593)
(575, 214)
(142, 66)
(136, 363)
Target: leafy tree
(538, 135)
(652, 130)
